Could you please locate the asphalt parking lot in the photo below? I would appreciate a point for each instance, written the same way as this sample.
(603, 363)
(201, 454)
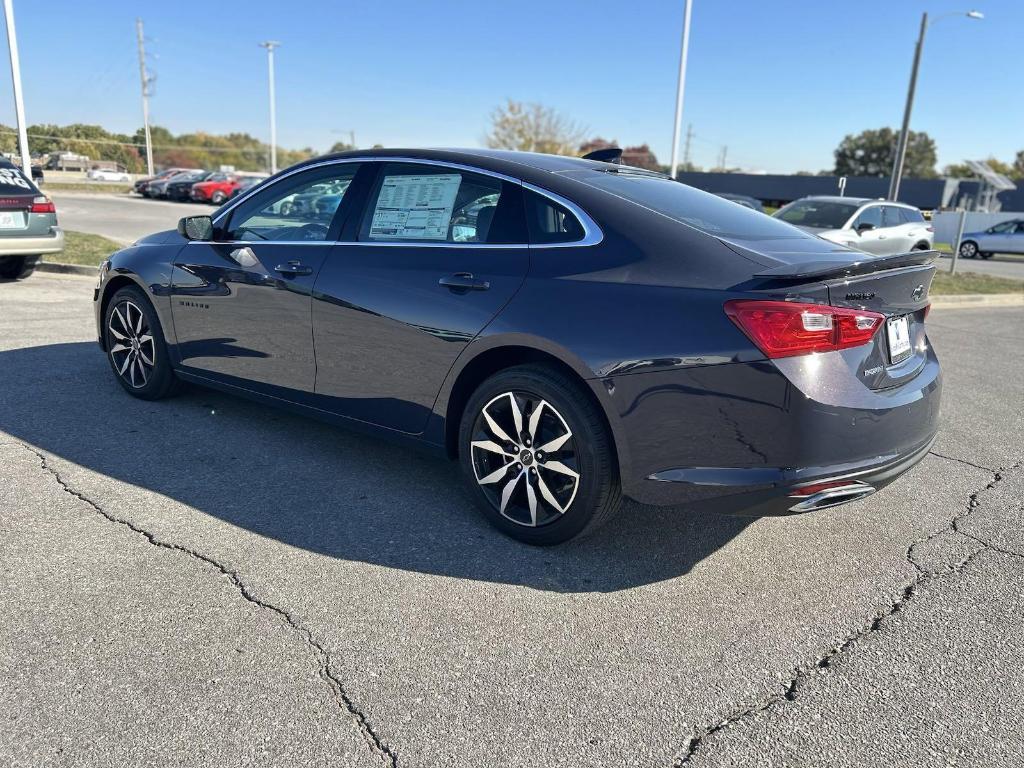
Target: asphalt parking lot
(123, 218)
(207, 581)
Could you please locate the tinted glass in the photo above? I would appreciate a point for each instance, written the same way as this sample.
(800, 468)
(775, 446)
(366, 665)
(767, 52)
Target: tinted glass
(549, 222)
(297, 208)
(706, 212)
(821, 214)
(429, 203)
(1005, 226)
(911, 215)
(872, 216)
(892, 216)
(14, 182)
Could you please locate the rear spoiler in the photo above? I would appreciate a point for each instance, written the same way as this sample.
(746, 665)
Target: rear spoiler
(819, 270)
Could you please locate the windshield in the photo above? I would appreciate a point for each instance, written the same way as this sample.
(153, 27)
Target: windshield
(823, 214)
(709, 213)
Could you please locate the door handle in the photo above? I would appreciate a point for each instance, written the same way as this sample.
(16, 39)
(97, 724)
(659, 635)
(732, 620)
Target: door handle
(461, 282)
(293, 268)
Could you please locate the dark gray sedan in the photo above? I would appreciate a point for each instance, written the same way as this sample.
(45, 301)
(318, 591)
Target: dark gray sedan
(28, 224)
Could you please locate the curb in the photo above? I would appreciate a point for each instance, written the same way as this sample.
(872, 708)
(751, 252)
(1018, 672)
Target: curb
(68, 269)
(978, 300)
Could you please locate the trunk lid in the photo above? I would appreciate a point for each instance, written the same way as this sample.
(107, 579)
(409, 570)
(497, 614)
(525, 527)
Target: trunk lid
(896, 286)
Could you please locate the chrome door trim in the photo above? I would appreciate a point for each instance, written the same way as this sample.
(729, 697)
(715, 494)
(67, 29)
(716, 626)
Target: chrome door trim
(592, 234)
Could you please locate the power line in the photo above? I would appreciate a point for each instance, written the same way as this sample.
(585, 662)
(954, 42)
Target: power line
(69, 139)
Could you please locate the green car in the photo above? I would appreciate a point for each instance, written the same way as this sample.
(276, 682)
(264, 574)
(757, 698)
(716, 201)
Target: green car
(28, 224)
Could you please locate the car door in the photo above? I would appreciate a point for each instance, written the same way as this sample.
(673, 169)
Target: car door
(241, 303)
(897, 230)
(871, 237)
(436, 253)
(1015, 240)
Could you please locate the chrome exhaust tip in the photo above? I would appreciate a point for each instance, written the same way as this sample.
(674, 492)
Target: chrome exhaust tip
(832, 496)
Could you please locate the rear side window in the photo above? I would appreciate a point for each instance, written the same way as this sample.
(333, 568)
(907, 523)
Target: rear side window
(709, 213)
(13, 182)
(892, 216)
(910, 215)
(550, 222)
(428, 203)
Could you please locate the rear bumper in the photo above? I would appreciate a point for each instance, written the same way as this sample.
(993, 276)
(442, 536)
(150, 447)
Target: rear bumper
(29, 246)
(744, 438)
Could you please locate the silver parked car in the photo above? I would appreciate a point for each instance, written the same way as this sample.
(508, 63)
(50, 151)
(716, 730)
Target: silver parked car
(1004, 237)
(28, 224)
(880, 227)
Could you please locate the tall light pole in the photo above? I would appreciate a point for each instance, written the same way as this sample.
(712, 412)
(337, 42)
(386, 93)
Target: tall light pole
(146, 80)
(683, 50)
(270, 45)
(19, 103)
(901, 147)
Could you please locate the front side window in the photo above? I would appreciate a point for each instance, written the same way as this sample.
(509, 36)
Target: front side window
(1006, 226)
(425, 203)
(297, 208)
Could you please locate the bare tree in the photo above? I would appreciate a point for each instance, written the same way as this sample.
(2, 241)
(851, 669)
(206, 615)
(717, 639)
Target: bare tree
(533, 128)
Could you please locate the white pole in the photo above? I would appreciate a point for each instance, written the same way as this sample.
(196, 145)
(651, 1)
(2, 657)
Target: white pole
(270, 45)
(683, 50)
(19, 103)
(959, 237)
(145, 96)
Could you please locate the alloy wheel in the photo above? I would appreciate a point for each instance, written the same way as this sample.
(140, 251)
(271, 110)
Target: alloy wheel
(525, 458)
(132, 348)
(968, 250)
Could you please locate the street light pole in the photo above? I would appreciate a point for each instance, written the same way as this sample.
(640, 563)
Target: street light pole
(270, 45)
(683, 50)
(140, 37)
(19, 103)
(901, 147)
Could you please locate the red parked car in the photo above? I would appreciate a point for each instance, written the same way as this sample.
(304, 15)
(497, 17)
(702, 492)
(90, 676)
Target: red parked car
(215, 189)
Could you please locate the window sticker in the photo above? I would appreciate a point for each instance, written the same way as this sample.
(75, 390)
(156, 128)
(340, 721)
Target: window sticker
(14, 177)
(415, 207)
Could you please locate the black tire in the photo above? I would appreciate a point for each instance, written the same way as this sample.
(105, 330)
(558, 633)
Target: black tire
(582, 504)
(126, 340)
(985, 254)
(922, 247)
(16, 267)
(968, 249)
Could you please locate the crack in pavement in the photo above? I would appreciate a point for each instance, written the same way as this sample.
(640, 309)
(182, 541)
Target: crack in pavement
(790, 688)
(319, 653)
(962, 461)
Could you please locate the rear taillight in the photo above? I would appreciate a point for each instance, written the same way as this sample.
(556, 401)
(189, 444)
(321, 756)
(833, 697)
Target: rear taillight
(787, 328)
(42, 204)
(930, 229)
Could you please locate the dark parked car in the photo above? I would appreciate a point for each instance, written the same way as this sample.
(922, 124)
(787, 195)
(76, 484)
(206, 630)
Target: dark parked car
(142, 185)
(28, 224)
(571, 331)
(246, 183)
(745, 200)
(180, 187)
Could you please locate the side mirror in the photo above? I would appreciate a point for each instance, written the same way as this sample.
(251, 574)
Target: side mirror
(864, 226)
(196, 228)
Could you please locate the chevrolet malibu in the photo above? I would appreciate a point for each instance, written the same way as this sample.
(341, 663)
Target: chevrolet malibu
(570, 331)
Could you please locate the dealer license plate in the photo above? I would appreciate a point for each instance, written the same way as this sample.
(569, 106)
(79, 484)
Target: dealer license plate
(12, 220)
(898, 330)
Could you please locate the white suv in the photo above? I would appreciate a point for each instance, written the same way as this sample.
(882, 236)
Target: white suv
(880, 227)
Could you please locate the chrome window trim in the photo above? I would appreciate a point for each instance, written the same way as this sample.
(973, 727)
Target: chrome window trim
(592, 234)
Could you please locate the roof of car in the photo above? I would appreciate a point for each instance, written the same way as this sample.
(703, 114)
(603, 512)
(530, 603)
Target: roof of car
(856, 200)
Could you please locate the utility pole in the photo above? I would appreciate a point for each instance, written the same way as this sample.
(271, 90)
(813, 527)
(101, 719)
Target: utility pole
(901, 148)
(722, 156)
(145, 95)
(270, 45)
(683, 50)
(19, 103)
(686, 150)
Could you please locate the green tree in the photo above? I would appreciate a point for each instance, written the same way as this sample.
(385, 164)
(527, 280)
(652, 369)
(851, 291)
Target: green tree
(340, 146)
(872, 153)
(533, 128)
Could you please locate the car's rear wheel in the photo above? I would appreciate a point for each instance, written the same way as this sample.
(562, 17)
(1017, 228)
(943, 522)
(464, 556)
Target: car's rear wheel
(135, 346)
(537, 457)
(968, 249)
(16, 267)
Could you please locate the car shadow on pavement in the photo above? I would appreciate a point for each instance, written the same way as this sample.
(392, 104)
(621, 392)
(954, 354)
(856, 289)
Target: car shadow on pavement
(318, 487)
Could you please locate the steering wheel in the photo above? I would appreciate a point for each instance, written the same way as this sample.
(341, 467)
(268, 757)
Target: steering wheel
(314, 231)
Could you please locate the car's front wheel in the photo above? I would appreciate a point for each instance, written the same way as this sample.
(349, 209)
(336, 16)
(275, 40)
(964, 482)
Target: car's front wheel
(218, 197)
(135, 346)
(16, 267)
(537, 456)
(968, 249)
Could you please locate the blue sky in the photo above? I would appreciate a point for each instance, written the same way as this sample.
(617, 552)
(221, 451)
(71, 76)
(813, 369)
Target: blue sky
(779, 82)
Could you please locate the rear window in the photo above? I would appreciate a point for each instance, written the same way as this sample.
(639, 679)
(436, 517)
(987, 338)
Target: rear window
(709, 213)
(13, 182)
